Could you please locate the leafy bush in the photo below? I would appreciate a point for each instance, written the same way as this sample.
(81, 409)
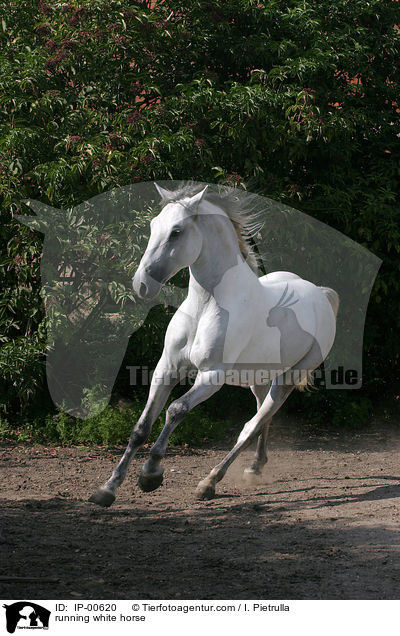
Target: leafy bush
(21, 372)
(296, 100)
(111, 427)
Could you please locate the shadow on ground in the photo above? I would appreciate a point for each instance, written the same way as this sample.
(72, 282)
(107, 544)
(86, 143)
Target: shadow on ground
(226, 549)
(322, 524)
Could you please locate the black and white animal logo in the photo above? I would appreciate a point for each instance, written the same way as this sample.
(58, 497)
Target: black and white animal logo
(26, 615)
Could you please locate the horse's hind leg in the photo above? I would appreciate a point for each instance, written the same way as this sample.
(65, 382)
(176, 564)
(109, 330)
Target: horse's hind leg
(260, 457)
(274, 400)
(277, 394)
(254, 471)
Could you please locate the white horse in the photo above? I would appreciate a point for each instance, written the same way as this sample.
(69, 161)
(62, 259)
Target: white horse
(268, 333)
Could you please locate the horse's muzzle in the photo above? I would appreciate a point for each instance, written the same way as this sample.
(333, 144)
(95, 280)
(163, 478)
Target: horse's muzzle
(145, 286)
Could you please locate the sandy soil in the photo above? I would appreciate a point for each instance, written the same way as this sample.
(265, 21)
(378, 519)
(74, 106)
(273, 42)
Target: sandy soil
(322, 524)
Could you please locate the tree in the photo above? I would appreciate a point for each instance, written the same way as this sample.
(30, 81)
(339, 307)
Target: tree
(294, 99)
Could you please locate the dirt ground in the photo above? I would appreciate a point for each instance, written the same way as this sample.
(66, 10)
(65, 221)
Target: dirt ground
(322, 524)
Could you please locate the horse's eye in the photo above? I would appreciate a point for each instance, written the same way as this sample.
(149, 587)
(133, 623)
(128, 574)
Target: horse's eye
(176, 232)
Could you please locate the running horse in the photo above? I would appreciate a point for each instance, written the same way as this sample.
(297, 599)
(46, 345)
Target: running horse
(230, 321)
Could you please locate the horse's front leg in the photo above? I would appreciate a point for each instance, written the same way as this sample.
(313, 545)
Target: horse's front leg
(162, 383)
(206, 384)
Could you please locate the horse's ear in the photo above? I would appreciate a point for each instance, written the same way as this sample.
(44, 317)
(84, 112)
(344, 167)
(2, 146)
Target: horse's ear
(195, 200)
(44, 215)
(164, 194)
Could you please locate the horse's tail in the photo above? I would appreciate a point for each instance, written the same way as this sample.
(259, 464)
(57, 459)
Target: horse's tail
(307, 383)
(333, 298)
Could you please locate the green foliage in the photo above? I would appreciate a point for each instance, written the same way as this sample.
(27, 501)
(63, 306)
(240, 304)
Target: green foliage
(5, 429)
(296, 100)
(21, 372)
(356, 416)
(111, 427)
(332, 409)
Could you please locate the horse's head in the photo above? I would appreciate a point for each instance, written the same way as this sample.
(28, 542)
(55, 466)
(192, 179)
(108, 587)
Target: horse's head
(175, 242)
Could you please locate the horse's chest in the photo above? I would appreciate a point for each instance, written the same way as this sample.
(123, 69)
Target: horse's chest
(197, 337)
(207, 346)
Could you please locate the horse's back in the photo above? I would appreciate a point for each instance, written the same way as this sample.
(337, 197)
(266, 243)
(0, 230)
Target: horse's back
(283, 277)
(277, 277)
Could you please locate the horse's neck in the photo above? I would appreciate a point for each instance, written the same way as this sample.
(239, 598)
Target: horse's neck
(220, 260)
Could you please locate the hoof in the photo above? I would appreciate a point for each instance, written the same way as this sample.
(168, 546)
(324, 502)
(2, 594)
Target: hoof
(150, 482)
(252, 475)
(205, 491)
(252, 472)
(103, 498)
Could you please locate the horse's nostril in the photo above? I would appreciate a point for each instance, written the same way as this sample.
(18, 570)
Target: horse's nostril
(143, 289)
